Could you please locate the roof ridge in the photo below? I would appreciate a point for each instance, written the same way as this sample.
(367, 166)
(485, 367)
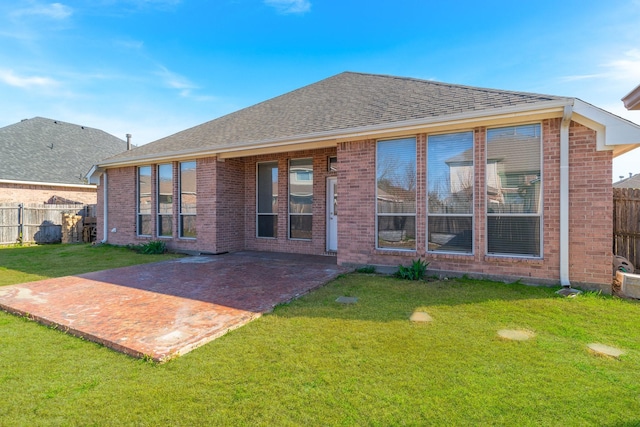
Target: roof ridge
(457, 85)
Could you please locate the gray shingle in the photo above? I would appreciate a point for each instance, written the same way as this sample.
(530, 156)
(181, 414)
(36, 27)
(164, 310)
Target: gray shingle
(344, 101)
(46, 150)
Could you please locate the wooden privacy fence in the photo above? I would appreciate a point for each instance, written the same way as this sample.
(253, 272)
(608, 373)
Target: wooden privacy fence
(37, 223)
(626, 224)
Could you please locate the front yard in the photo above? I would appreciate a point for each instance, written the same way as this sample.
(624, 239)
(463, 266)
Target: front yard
(317, 362)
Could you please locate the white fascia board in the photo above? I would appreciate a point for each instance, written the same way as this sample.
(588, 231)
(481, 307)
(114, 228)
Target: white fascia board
(613, 133)
(519, 112)
(48, 184)
(632, 99)
(94, 174)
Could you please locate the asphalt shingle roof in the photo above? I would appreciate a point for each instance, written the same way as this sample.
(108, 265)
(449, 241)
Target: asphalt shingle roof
(46, 150)
(345, 101)
(630, 182)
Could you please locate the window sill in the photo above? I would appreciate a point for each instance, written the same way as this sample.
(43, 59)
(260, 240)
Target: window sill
(449, 255)
(397, 252)
(514, 259)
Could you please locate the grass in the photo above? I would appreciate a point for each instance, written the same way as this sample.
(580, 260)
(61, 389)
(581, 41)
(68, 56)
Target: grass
(317, 362)
(19, 264)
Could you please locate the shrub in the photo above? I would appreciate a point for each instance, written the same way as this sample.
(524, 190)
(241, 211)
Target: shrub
(367, 269)
(152, 247)
(415, 271)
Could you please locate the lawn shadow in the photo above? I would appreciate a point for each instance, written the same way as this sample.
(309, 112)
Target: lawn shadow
(385, 298)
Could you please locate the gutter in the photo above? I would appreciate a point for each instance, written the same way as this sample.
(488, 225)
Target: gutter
(105, 214)
(523, 112)
(48, 184)
(564, 195)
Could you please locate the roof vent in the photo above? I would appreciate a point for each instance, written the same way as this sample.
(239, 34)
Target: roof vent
(128, 141)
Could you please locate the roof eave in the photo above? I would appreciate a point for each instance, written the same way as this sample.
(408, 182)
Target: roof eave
(48, 184)
(632, 99)
(613, 133)
(526, 112)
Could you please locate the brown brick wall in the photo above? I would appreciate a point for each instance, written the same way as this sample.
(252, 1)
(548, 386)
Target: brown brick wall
(226, 204)
(22, 193)
(317, 244)
(590, 213)
(229, 205)
(591, 208)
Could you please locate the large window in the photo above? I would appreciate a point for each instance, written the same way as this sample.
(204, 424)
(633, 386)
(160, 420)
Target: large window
(300, 198)
(396, 194)
(164, 200)
(188, 198)
(514, 182)
(267, 200)
(144, 201)
(450, 192)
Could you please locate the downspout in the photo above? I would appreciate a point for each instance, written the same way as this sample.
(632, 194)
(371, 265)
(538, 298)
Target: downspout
(564, 195)
(105, 206)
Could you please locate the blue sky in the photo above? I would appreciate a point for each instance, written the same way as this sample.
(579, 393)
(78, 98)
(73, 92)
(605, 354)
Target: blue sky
(154, 67)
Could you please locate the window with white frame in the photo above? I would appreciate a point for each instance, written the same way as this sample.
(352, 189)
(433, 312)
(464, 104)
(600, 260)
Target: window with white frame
(300, 198)
(450, 175)
(164, 200)
(267, 200)
(143, 222)
(188, 199)
(396, 194)
(514, 186)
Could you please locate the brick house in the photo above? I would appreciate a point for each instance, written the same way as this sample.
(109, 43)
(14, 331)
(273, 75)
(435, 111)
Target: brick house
(380, 170)
(46, 161)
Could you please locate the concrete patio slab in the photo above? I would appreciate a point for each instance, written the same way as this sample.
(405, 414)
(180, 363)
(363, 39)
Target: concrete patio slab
(166, 309)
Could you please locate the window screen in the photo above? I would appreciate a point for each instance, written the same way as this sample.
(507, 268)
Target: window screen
(144, 201)
(188, 199)
(514, 184)
(267, 209)
(165, 200)
(450, 175)
(396, 194)
(300, 198)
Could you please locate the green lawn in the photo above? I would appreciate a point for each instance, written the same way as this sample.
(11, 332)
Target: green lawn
(316, 362)
(19, 264)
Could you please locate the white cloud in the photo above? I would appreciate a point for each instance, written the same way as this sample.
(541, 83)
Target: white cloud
(184, 86)
(57, 11)
(289, 6)
(10, 78)
(173, 80)
(624, 69)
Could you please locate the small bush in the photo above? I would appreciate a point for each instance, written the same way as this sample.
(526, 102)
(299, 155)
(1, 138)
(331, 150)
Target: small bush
(415, 271)
(367, 269)
(154, 247)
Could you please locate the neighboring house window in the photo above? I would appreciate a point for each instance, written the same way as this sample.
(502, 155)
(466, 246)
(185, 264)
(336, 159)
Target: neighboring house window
(267, 200)
(300, 198)
(165, 200)
(396, 194)
(514, 183)
(144, 201)
(450, 192)
(188, 199)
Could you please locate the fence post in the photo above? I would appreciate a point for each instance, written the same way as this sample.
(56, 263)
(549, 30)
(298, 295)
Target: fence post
(20, 221)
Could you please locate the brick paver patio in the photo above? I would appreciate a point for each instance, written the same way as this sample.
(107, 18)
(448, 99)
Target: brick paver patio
(166, 309)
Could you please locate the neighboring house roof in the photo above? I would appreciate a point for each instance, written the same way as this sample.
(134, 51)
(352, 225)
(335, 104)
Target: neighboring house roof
(632, 99)
(631, 182)
(54, 152)
(355, 105)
